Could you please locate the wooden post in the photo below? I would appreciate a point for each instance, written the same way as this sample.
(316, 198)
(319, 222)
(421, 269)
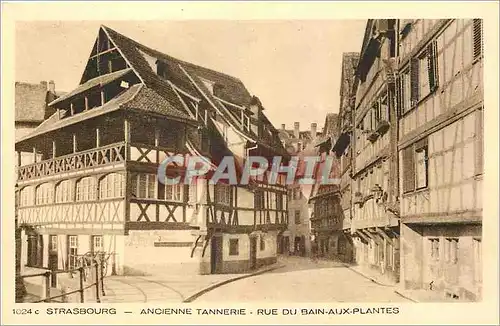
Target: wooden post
(75, 144)
(54, 278)
(72, 108)
(97, 138)
(97, 283)
(103, 98)
(86, 103)
(82, 296)
(127, 137)
(47, 286)
(157, 144)
(53, 149)
(18, 154)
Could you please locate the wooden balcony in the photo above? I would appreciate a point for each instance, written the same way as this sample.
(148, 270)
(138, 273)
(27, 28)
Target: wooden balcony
(96, 157)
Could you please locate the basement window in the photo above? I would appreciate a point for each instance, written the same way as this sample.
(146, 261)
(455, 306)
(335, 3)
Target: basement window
(451, 250)
(434, 248)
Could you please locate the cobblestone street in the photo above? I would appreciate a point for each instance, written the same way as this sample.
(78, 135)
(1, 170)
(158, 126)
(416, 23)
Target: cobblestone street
(304, 280)
(298, 280)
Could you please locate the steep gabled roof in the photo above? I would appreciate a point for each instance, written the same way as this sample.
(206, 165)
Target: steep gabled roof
(137, 97)
(186, 76)
(98, 81)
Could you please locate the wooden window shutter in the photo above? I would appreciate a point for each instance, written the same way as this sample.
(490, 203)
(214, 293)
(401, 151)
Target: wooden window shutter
(408, 169)
(399, 96)
(477, 36)
(432, 65)
(414, 71)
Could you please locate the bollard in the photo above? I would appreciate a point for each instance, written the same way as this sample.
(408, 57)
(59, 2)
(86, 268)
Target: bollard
(47, 286)
(82, 296)
(97, 285)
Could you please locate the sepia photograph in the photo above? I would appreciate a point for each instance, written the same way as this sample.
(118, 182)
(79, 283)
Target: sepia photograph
(166, 163)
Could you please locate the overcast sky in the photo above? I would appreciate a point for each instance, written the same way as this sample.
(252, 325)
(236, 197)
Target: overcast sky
(292, 66)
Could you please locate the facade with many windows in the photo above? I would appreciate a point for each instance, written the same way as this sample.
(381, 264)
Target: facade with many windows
(92, 185)
(374, 225)
(440, 150)
(417, 154)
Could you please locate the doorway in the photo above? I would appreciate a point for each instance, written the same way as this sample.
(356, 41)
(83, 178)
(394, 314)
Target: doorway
(216, 254)
(286, 245)
(253, 252)
(35, 250)
(53, 257)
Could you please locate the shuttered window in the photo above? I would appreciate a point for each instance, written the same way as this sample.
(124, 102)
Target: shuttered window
(415, 166)
(404, 90)
(477, 37)
(432, 68)
(414, 81)
(408, 170)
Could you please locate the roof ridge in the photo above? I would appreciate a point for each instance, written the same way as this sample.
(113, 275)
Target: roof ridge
(179, 61)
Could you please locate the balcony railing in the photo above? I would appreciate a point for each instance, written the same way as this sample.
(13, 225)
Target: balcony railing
(109, 154)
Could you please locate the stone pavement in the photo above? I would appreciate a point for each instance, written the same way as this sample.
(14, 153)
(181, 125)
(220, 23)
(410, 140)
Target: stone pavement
(305, 280)
(167, 288)
(372, 275)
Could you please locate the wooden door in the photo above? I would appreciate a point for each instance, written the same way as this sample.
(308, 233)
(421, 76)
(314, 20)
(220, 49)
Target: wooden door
(216, 255)
(32, 250)
(286, 245)
(53, 258)
(279, 244)
(253, 252)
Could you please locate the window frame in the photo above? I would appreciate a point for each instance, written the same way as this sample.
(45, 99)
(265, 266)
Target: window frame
(451, 250)
(234, 247)
(81, 185)
(296, 216)
(93, 244)
(410, 166)
(434, 249)
(107, 185)
(223, 194)
(64, 192)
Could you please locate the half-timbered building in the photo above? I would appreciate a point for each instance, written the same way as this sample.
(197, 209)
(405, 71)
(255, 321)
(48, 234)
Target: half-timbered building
(375, 222)
(324, 200)
(296, 239)
(440, 150)
(93, 186)
(342, 150)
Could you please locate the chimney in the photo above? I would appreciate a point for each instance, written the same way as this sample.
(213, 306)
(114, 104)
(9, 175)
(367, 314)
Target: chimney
(314, 127)
(52, 87)
(282, 126)
(296, 126)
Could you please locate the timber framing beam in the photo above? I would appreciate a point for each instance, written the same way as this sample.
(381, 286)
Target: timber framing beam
(384, 235)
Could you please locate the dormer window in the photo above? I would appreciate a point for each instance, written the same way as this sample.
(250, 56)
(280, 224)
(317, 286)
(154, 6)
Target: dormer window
(208, 84)
(161, 69)
(245, 121)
